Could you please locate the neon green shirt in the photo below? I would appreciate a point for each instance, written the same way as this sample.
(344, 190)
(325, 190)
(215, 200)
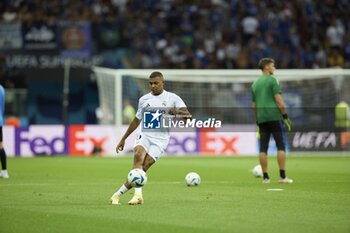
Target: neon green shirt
(264, 90)
(342, 115)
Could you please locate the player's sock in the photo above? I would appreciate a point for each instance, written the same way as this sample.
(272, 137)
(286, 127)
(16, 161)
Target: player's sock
(116, 196)
(3, 158)
(138, 190)
(123, 189)
(282, 174)
(266, 176)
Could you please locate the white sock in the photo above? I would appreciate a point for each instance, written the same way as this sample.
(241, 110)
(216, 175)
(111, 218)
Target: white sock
(138, 190)
(123, 189)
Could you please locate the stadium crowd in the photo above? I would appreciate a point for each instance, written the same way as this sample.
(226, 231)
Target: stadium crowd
(210, 33)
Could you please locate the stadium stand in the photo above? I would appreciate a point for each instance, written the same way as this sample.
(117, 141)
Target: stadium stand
(169, 34)
(211, 33)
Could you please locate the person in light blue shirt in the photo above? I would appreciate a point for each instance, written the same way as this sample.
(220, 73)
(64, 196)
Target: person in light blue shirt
(4, 173)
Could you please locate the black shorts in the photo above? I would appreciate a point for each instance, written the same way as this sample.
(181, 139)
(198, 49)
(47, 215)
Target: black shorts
(278, 131)
(0, 133)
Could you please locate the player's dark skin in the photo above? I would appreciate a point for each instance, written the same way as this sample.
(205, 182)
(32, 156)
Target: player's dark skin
(143, 160)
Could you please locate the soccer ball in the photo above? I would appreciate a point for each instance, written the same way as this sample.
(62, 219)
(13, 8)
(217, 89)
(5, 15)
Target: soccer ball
(257, 171)
(137, 177)
(192, 179)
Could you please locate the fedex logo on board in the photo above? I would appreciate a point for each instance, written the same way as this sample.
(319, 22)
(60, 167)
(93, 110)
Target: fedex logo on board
(87, 139)
(210, 143)
(40, 140)
(83, 139)
(60, 140)
(218, 143)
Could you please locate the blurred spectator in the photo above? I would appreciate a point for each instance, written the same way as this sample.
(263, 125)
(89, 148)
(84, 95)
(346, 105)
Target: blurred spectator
(342, 116)
(335, 58)
(250, 24)
(335, 33)
(14, 121)
(347, 50)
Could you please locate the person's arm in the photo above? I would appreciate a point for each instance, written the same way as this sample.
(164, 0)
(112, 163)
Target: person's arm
(254, 111)
(133, 125)
(280, 103)
(254, 105)
(180, 109)
(256, 120)
(282, 107)
(180, 112)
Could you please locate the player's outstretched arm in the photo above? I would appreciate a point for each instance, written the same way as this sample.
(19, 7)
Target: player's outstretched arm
(133, 125)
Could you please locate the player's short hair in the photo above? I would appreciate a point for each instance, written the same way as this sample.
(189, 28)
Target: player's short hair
(264, 62)
(156, 74)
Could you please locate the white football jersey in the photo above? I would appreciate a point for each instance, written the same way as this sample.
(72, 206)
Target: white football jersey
(161, 102)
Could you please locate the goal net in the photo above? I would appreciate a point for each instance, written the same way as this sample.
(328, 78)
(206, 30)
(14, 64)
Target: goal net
(310, 95)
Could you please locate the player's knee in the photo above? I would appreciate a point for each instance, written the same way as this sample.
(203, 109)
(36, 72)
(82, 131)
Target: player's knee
(139, 155)
(263, 150)
(138, 158)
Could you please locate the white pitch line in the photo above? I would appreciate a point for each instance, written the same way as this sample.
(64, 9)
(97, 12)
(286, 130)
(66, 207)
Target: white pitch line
(274, 189)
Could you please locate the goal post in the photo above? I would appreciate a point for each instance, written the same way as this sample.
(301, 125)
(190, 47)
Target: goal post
(219, 88)
(110, 92)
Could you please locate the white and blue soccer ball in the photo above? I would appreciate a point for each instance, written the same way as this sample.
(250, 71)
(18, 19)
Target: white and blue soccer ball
(192, 179)
(137, 177)
(257, 171)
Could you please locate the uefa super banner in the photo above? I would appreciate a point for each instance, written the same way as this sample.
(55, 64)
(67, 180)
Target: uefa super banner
(97, 140)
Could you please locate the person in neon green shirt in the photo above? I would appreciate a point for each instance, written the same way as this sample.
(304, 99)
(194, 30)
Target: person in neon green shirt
(128, 112)
(342, 115)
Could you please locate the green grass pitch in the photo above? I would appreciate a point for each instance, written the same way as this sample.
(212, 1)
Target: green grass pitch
(62, 194)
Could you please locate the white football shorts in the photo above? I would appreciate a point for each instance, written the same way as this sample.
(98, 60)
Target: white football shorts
(154, 147)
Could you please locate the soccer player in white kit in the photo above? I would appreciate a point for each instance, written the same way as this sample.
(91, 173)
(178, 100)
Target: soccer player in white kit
(149, 145)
